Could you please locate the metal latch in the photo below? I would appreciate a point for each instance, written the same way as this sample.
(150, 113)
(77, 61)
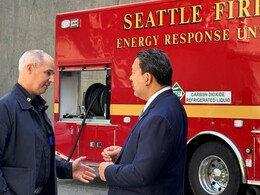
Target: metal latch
(99, 144)
(92, 144)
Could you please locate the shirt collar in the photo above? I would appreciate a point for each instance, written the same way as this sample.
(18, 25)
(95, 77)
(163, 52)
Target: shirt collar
(28, 96)
(154, 96)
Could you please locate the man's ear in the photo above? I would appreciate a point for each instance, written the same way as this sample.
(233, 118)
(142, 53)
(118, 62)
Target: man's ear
(29, 68)
(148, 79)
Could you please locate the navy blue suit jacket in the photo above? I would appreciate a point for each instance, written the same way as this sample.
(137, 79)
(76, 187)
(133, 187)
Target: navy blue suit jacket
(21, 144)
(152, 160)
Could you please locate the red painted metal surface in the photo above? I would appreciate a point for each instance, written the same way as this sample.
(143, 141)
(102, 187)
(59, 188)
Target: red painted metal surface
(213, 47)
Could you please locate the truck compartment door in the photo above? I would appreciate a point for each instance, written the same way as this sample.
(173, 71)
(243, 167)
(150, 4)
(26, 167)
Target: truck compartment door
(94, 139)
(256, 138)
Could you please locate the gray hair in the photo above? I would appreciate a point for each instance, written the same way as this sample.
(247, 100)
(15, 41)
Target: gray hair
(35, 57)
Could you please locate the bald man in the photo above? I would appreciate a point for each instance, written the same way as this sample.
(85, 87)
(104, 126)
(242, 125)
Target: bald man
(27, 145)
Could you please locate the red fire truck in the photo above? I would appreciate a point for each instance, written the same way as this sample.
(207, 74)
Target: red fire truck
(214, 47)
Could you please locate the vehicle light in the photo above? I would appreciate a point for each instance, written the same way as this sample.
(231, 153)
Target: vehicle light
(65, 24)
(238, 123)
(71, 130)
(248, 163)
(127, 119)
(74, 23)
(248, 150)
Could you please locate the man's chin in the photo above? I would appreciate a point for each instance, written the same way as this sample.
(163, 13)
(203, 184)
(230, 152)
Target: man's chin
(42, 91)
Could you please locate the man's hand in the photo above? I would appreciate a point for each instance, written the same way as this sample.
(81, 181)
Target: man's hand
(101, 168)
(82, 172)
(110, 153)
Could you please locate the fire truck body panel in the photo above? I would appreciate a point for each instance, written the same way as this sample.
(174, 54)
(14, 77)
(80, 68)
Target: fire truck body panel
(214, 48)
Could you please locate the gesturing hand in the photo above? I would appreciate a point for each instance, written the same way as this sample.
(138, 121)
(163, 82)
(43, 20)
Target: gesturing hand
(110, 153)
(81, 171)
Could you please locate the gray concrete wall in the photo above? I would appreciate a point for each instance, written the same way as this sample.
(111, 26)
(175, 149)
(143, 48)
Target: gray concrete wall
(30, 24)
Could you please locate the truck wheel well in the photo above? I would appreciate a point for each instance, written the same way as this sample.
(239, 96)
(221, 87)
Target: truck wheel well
(196, 142)
(199, 140)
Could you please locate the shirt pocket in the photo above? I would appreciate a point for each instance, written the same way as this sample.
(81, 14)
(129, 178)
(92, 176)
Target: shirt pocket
(19, 180)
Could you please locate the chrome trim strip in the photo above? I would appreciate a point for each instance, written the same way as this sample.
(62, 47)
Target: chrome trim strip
(253, 182)
(255, 131)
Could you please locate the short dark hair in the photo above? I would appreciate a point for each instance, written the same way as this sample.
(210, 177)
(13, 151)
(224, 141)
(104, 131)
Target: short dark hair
(157, 63)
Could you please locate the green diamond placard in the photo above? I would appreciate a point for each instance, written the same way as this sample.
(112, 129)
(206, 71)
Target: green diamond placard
(176, 88)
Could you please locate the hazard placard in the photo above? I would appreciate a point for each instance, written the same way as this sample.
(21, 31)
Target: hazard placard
(176, 88)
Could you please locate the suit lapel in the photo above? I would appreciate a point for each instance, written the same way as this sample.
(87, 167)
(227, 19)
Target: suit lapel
(142, 115)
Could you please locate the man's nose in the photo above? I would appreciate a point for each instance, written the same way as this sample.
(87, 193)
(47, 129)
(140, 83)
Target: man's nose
(51, 79)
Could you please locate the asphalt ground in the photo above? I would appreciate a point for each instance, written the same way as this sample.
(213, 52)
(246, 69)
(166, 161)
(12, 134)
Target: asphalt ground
(73, 187)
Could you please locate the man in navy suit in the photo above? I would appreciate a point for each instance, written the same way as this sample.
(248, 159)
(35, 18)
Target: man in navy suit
(152, 159)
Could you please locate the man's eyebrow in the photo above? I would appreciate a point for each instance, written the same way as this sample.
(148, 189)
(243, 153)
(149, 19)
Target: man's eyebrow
(49, 71)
